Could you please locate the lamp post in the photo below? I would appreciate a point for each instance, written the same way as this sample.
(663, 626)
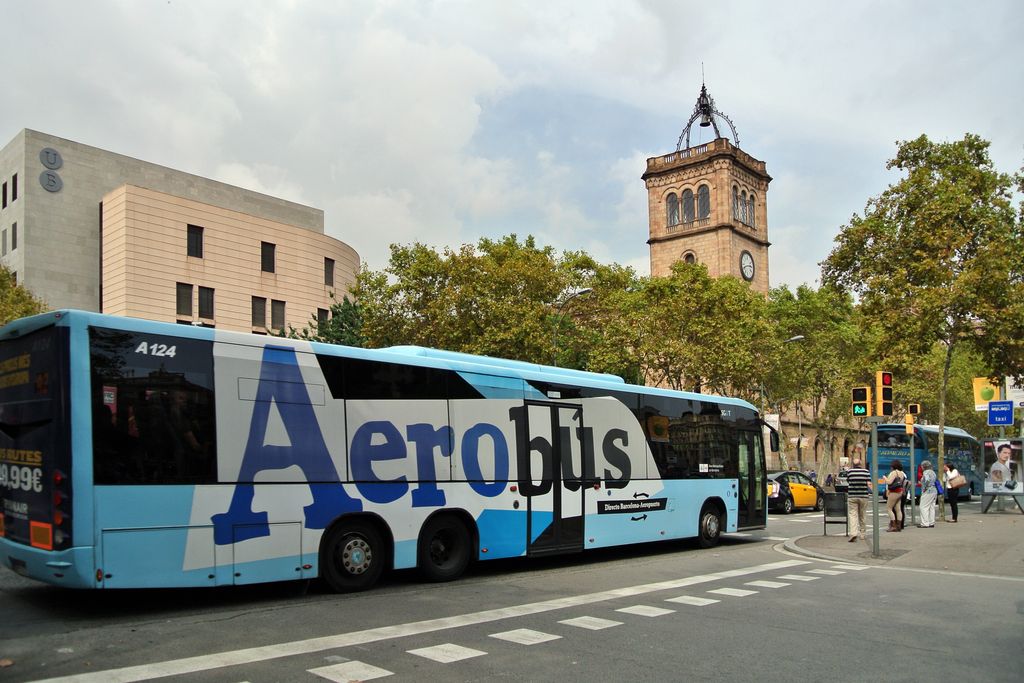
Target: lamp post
(799, 411)
(560, 308)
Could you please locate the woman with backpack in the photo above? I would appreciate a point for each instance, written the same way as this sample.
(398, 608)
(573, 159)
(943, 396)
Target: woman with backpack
(929, 493)
(894, 482)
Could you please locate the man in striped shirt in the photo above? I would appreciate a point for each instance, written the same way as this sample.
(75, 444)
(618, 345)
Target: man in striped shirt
(857, 497)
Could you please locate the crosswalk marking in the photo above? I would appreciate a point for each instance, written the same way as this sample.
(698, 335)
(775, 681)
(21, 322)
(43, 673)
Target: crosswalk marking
(446, 653)
(350, 671)
(646, 611)
(592, 623)
(775, 538)
(693, 600)
(767, 584)
(733, 592)
(248, 656)
(799, 577)
(851, 567)
(738, 534)
(826, 572)
(525, 636)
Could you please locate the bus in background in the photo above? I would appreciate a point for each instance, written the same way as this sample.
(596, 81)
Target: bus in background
(139, 454)
(963, 451)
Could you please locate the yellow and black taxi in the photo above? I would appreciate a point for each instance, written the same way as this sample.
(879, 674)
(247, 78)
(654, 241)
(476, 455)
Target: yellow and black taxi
(790, 490)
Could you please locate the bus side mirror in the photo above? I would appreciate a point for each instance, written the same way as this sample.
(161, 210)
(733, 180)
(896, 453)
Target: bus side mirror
(773, 441)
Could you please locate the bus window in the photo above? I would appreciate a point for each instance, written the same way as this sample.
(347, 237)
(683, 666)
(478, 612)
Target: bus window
(152, 409)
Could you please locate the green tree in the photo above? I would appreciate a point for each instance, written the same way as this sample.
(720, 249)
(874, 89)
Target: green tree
(827, 356)
(685, 331)
(344, 325)
(937, 259)
(493, 299)
(16, 301)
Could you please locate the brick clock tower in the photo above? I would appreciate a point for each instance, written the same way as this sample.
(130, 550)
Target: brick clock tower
(708, 204)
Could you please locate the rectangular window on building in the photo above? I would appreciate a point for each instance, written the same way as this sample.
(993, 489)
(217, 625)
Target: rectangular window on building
(14, 236)
(3, 238)
(277, 314)
(206, 303)
(259, 311)
(195, 241)
(184, 306)
(4, 205)
(329, 272)
(14, 187)
(322, 316)
(267, 257)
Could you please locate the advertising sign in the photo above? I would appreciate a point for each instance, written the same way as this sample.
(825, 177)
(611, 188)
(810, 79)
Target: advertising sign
(1002, 468)
(984, 391)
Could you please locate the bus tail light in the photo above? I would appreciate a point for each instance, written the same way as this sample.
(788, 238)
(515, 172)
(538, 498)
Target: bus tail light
(61, 516)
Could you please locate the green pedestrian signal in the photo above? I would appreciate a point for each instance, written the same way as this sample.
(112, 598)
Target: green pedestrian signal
(861, 401)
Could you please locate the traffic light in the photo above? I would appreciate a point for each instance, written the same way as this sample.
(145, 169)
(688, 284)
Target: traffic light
(914, 408)
(861, 401)
(883, 393)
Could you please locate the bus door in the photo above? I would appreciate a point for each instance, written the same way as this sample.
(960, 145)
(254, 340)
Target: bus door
(554, 461)
(753, 481)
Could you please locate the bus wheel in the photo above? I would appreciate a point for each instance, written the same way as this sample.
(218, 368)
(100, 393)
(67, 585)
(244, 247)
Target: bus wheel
(352, 556)
(710, 526)
(444, 548)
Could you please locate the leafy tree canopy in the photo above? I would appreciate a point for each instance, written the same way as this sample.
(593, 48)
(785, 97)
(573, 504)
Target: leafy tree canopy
(16, 301)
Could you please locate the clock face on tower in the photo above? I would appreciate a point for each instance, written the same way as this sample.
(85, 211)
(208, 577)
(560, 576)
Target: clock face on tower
(747, 266)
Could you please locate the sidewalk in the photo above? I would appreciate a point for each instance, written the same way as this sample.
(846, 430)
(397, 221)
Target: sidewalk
(992, 543)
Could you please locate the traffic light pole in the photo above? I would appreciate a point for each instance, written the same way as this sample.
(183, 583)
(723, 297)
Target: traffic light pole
(874, 421)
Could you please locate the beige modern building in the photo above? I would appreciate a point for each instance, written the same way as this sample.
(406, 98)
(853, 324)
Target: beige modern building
(86, 228)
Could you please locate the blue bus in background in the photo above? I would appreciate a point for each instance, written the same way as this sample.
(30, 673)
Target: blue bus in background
(963, 451)
(140, 454)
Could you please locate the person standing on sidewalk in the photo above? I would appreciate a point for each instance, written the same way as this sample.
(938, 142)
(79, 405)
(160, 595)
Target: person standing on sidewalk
(858, 493)
(952, 494)
(894, 482)
(928, 495)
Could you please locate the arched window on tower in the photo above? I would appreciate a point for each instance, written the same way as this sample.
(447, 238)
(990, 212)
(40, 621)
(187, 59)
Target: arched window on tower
(672, 209)
(743, 207)
(703, 202)
(735, 203)
(687, 206)
(690, 257)
(750, 211)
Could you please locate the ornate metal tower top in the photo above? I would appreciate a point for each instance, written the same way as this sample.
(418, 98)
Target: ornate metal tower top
(706, 111)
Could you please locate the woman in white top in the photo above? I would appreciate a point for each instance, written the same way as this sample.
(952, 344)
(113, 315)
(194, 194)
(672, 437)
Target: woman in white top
(929, 493)
(951, 493)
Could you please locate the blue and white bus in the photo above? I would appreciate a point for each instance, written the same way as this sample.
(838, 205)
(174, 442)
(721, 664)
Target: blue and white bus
(963, 451)
(142, 454)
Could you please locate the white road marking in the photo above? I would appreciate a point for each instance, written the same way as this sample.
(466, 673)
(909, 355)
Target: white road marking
(188, 665)
(767, 584)
(733, 592)
(737, 534)
(592, 623)
(350, 671)
(446, 653)
(799, 577)
(646, 611)
(693, 600)
(776, 538)
(826, 572)
(851, 567)
(525, 636)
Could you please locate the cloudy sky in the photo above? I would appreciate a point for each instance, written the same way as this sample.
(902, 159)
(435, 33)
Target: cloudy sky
(445, 121)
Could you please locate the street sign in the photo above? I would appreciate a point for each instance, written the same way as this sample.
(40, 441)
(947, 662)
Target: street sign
(1000, 413)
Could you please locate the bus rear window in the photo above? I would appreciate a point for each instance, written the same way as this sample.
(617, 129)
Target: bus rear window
(153, 408)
